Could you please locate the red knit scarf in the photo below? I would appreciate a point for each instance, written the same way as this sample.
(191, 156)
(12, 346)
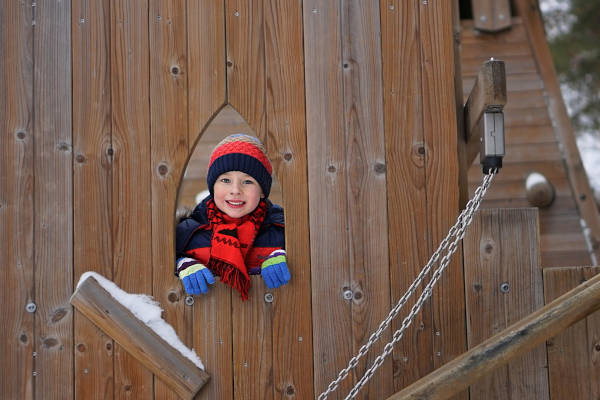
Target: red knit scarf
(231, 240)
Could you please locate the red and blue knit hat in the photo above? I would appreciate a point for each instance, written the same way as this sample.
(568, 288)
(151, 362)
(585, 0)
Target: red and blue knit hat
(240, 152)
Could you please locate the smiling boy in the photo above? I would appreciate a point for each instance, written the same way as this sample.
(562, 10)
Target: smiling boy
(235, 231)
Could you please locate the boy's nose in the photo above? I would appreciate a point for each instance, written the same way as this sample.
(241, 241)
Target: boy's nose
(235, 188)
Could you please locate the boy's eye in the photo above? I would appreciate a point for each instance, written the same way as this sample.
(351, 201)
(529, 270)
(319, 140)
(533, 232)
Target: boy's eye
(225, 180)
(248, 182)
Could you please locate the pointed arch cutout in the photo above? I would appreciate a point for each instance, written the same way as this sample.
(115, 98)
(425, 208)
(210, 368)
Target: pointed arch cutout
(193, 179)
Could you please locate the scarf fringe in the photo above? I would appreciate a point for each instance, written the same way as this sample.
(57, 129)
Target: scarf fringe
(231, 276)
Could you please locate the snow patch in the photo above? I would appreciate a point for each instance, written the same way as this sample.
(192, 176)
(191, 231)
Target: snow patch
(533, 179)
(147, 310)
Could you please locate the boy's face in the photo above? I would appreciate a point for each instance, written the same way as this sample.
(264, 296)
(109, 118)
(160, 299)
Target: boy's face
(237, 193)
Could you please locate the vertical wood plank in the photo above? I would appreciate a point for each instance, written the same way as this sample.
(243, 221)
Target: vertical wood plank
(132, 218)
(53, 200)
(169, 138)
(573, 355)
(16, 199)
(406, 196)
(92, 200)
(504, 284)
(206, 93)
(441, 146)
(366, 186)
(206, 75)
(286, 133)
(327, 179)
(252, 319)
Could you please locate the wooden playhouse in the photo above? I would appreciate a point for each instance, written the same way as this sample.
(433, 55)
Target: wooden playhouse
(361, 107)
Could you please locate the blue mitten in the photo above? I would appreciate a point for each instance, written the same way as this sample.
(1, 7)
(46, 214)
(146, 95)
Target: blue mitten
(274, 270)
(194, 275)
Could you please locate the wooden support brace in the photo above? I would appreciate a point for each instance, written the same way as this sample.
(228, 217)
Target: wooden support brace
(488, 95)
(514, 341)
(178, 372)
(491, 15)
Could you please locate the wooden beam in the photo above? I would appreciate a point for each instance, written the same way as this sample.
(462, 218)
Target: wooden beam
(513, 341)
(491, 15)
(178, 372)
(488, 94)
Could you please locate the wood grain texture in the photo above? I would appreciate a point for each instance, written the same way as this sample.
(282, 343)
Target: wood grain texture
(17, 338)
(206, 75)
(516, 340)
(491, 15)
(501, 248)
(211, 327)
(138, 339)
(406, 196)
(442, 175)
(286, 133)
(53, 200)
(92, 187)
(169, 137)
(327, 178)
(530, 14)
(573, 355)
(531, 142)
(252, 321)
(488, 95)
(132, 214)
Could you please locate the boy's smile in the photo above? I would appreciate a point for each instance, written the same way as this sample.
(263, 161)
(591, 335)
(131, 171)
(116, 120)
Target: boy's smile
(236, 193)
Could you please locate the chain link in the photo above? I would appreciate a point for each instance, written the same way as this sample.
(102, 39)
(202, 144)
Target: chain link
(457, 231)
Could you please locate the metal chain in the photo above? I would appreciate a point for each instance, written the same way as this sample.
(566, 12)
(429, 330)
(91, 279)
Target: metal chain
(457, 231)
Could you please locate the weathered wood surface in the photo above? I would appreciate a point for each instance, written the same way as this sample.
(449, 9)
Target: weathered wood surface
(491, 15)
(169, 138)
(206, 95)
(573, 355)
(441, 174)
(405, 170)
(252, 321)
(17, 337)
(327, 174)
(531, 142)
(503, 284)
(132, 219)
(286, 141)
(92, 187)
(488, 95)
(529, 11)
(141, 342)
(508, 344)
(53, 200)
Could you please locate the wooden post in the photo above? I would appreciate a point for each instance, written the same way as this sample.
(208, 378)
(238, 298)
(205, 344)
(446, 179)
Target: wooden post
(178, 372)
(508, 344)
(488, 94)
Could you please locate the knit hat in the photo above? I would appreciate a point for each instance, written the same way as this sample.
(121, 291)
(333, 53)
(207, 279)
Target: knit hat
(240, 152)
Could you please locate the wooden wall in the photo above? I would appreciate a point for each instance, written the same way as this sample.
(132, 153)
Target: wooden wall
(102, 103)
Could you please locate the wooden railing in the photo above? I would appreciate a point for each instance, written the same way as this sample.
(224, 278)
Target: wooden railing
(513, 341)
